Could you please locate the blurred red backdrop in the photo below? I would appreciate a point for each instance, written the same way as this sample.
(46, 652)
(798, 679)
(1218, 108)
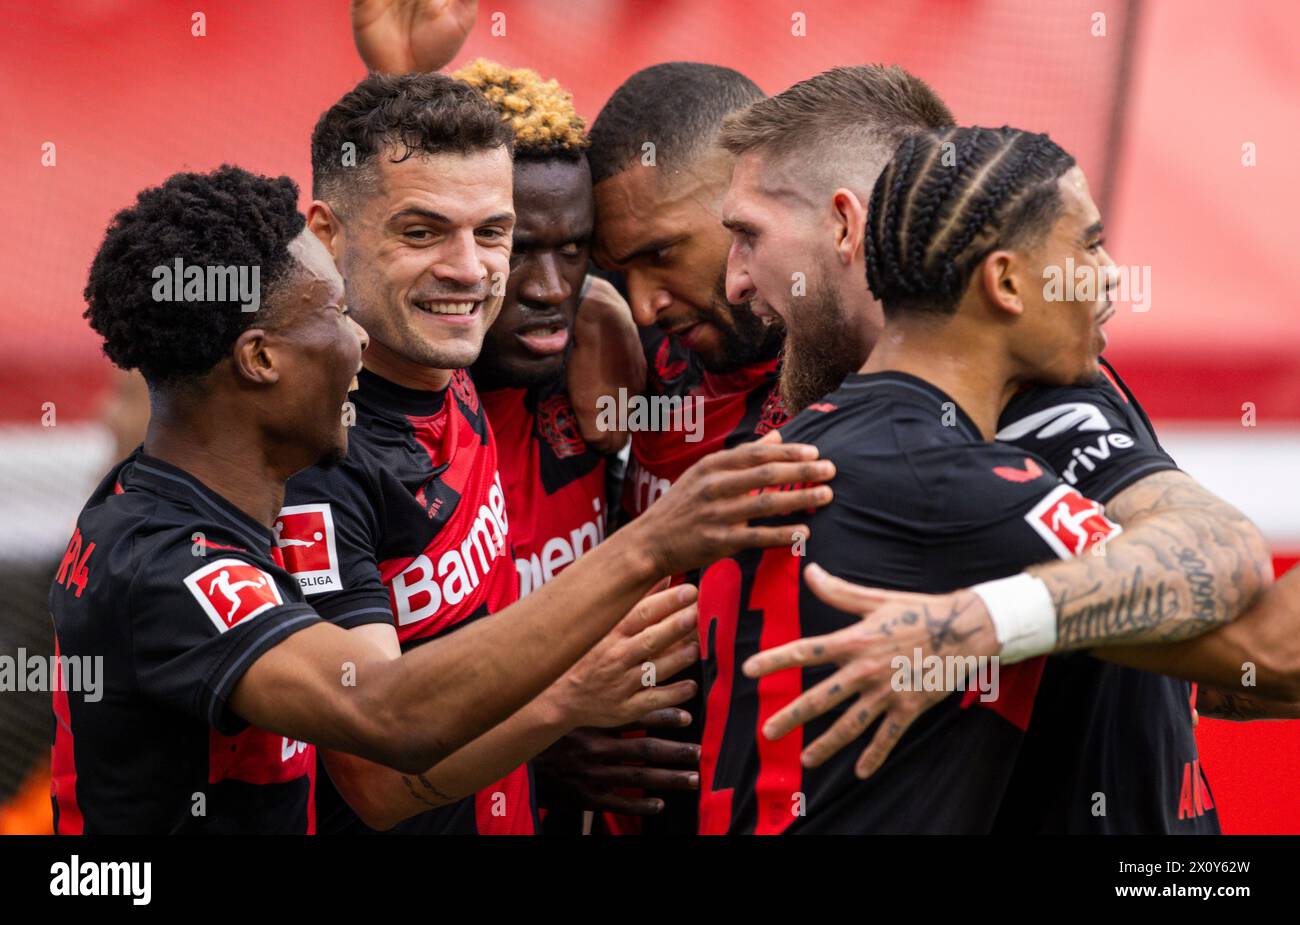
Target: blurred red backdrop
(127, 95)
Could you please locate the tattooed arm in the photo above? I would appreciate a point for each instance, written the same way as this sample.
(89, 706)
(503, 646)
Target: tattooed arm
(1247, 669)
(1186, 563)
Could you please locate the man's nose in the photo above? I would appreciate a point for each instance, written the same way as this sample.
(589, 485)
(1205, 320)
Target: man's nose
(543, 281)
(457, 260)
(740, 288)
(646, 299)
(362, 337)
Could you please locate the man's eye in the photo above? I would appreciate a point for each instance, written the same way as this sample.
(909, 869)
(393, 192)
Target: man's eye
(1097, 245)
(492, 233)
(418, 234)
(570, 250)
(344, 310)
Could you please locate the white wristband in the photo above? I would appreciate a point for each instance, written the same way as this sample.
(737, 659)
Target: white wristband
(1024, 617)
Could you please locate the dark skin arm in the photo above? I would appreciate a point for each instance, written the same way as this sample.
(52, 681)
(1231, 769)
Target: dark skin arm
(412, 712)
(606, 357)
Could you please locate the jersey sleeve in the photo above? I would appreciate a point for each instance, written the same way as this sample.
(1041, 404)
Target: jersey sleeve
(201, 613)
(327, 532)
(1093, 436)
(1002, 510)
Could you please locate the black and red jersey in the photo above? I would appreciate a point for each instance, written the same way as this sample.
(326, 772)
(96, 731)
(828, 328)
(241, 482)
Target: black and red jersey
(922, 503)
(733, 408)
(179, 592)
(729, 410)
(413, 529)
(554, 483)
(1110, 749)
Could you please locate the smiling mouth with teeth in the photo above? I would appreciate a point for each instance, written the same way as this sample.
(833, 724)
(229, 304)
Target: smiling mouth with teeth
(447, 308)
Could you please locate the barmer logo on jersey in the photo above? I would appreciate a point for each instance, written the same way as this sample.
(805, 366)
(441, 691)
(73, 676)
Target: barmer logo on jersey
(231, 591)
(422, 588)
(1070, 523)
(304, 534)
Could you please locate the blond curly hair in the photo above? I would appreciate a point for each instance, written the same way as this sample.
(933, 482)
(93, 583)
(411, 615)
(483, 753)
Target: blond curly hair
(540, 111)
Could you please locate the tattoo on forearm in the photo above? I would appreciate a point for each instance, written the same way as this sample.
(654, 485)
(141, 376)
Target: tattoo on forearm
(1223, 705)
(1200, 583)
(439, 798)
(1185, 564)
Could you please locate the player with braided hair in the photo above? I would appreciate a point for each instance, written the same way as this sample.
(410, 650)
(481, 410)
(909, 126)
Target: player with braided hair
(930, 223)
(948, 202)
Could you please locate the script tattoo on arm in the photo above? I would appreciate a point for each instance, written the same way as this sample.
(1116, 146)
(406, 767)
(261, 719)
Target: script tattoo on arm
(1186, 563)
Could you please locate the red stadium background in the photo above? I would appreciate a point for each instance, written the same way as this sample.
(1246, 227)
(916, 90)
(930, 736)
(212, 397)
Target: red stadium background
(1185, 116)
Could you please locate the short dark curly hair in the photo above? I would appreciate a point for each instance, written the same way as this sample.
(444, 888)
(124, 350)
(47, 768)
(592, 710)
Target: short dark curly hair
(416, 113)
(226, 218)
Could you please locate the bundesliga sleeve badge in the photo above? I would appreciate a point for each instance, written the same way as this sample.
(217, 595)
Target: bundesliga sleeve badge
(304, 534)
(231, 591)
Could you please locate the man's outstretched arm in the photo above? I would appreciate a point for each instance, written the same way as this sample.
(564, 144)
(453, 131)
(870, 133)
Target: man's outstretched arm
(1187, 562)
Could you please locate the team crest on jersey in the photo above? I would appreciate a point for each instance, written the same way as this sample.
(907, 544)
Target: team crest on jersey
(559, 427)
(773, 413)
(231, 591)
(463, 388)
(304, 534)
(1070, 523)
(667, 367)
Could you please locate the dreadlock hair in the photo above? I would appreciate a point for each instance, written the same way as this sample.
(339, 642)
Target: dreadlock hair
(540, 112)
(416, 114)
(678, 106)
(229, 217)
(946, 201)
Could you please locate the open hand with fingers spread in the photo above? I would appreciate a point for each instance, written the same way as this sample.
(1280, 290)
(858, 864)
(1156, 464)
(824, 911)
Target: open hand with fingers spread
(615, 683)
(705, 515)
(894, 624)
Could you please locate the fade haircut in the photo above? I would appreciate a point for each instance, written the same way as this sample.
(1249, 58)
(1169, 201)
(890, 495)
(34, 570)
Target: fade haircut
(949, 199)
(539, 112)
(416, 114)
(844, 119)
(678, 106)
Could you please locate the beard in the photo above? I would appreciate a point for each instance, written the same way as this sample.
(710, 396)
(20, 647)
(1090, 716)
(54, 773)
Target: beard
(745, 338)
(820, 351)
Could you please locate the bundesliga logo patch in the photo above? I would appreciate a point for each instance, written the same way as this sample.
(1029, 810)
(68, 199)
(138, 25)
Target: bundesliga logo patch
(231, 591)
(1071, 523)
(304, 534)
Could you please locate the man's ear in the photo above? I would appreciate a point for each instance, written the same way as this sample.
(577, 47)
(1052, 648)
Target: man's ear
(325, 225)
(254, 357)
(1002, 276)
(850, 216)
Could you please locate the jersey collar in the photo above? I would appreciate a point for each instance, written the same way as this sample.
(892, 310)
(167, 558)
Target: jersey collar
(144, 471)
(384, 395)
(915, 390)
